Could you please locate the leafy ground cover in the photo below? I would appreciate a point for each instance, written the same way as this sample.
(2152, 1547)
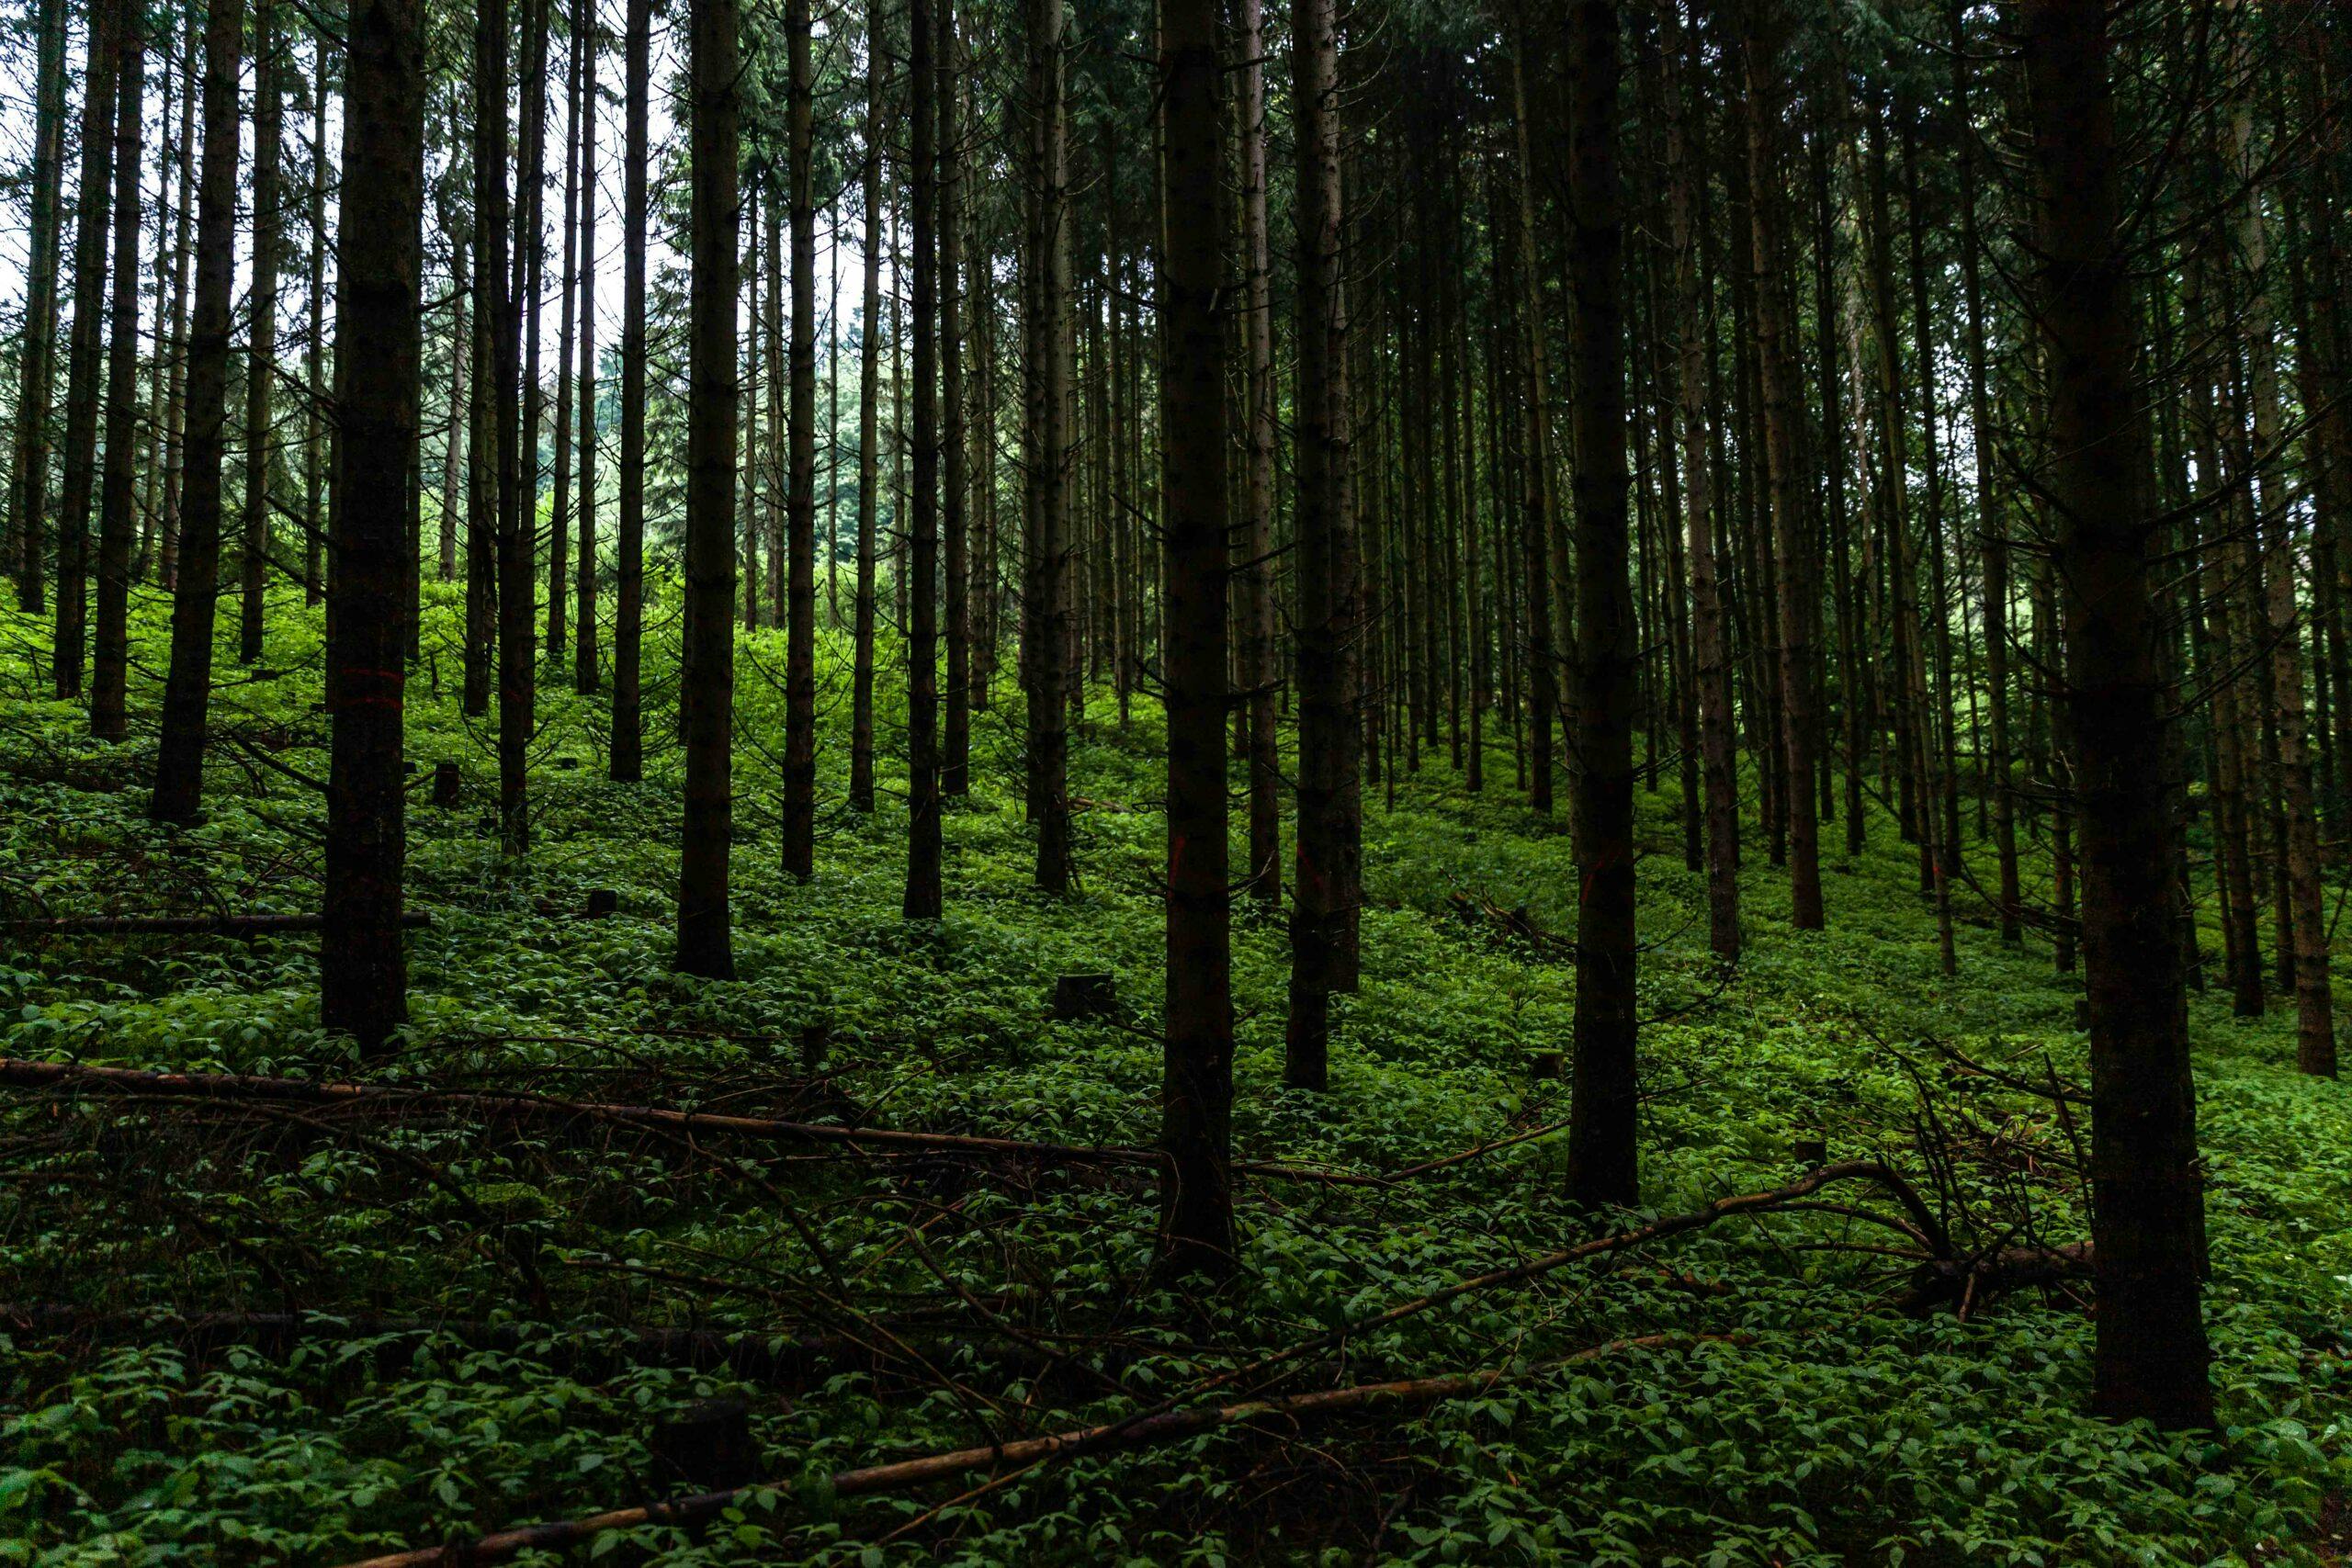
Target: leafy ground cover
(471, 1289)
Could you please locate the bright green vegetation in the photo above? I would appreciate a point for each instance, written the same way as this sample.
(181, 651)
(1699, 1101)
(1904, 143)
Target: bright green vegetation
(1832, 1433)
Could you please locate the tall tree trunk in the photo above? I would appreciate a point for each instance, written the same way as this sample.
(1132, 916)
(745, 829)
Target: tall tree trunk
(861, 722)
(1327, 873)
(453, 453)
(956, 756)
(923, 891)
(37, 346)
(628, 562)
(314, 348)
(707, 684)
(1259, 665)
(1712, 668)
(1537, 528)
(187, 690)
(1196, 1085)
(560, 516)
(482, 480)
(69, 649)
(116, 526)
(2307, 925)
(519, 404)
(1601, 1155)
(363, 975)
(177, 333)
(1991, 523)
(1045, 639)
(799, 828)
(2148, 1213)
(1776, 371)
(261, 343)
(589, 36)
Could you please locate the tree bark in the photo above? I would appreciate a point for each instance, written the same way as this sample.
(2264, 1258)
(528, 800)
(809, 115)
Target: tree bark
(261, 343)
(588, 36)
(188, 691)
(1712, 670)
(1776, 357)
(800, 829)
(861, 721)
(1045, 641)
(2148, 1224)
(707, 684)
(922, 899)
(363, 973)
(1327, 873)
(117, 492)
(628, 765)
(36, 348)
(1196, 1083)
(1604, 1103)
(69, 651)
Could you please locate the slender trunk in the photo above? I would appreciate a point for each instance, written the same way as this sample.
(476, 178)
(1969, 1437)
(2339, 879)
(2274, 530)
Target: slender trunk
(954, 763)
(261, 351)
(923, 898)
(1776, 358)
(481, 484)
(188, 691)
(1045, 632)
(176, 391)
(861, 723)
(2306, 933)
(116, 526)
(36, 348)
(1258, 667)
(453, 461)
(518, 414)
(799, 828)
(1535, 462)
(588, 36)
(86, 348)
(2148, 1224)
(1712, 670)
(314, 345)
(707, 682)
(1991, 502)
(629, 548)
(363, 975)
(560, 516)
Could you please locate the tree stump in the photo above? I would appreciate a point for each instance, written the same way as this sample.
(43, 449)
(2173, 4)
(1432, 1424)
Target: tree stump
(1544, 1064)
(445, 786)
(1811, 1151)
(603, 903)
(1085, 996)
(814, 1037)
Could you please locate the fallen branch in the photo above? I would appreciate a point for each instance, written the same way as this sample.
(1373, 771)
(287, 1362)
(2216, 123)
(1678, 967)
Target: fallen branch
(19, 1072)
(1165, 1427)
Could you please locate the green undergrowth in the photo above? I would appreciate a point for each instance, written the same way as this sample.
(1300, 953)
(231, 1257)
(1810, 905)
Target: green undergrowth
(1807, 1422)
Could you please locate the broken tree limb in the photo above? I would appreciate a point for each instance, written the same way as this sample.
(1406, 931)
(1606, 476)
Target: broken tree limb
(373, 1099)
(1403, 1393)
(185, 925)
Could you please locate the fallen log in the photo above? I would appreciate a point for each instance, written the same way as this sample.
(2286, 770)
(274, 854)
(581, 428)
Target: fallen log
(185, 925)
(378, 1099)
(1403, 1393)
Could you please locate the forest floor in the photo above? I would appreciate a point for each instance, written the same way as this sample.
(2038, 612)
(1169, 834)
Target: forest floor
(1780, 1409)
